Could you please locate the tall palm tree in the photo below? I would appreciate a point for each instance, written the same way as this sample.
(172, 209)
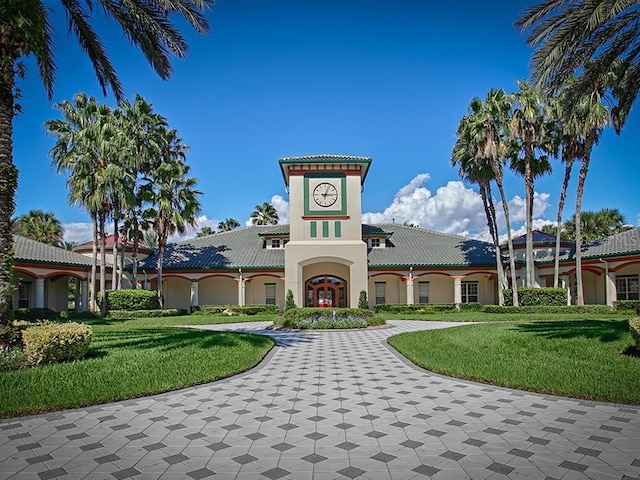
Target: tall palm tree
(597, 225)
(265, 214)
(477, 170)
(25, 30)
(531, 136)
(205, 231)
(86, 142)
(588, 36)
(41, 226)
(175, 200)
(228, 225)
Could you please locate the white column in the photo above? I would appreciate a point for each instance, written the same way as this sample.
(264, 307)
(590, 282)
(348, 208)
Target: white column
(410, 296)
(84, 296)
(611, 290)
(241, 291)
(457, 290)
(39, 293)
(194, 295)
(565, 282)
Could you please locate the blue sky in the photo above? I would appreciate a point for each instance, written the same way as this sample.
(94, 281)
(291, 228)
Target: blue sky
(276, 78)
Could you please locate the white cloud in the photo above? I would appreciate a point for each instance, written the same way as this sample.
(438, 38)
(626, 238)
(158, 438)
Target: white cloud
(201, 221)
(281, 206)
(79, 232)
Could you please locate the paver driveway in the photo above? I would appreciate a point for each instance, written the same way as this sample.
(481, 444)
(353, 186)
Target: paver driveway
(328, 405)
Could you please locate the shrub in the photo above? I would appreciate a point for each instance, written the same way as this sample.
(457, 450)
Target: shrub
(132, 299)
(595, 309)
(628, 305)
(12, 360)
(32, 314)
(363, 303)
(167, 312)
(404, 308)
(533, 296)
(470, 306)
(236, 310)
(323, 318)
(11, 335)
(634, 328)
(289, 302)
(56, 342)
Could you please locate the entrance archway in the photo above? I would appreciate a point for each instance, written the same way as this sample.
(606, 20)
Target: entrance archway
(325, 291)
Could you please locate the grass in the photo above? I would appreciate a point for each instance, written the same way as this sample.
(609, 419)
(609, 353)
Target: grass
(576, 358)
(129, 359)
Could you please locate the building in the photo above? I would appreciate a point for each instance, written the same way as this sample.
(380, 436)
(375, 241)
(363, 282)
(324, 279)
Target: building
(326, 256)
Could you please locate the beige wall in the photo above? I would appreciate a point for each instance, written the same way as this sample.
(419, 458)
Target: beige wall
(177, 293)
(395, 289)
(440, 288)
(255, 290)
(56, 293)
(220, 290)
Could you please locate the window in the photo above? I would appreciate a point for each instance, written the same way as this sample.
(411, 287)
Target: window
(423, 292)
(270, 293)
(627, 287)
(375, 243)
(24, 294)
(469, 292)
(275, 243)
(380, 293)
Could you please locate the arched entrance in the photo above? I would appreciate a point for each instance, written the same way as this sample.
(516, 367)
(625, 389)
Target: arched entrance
(325, 291)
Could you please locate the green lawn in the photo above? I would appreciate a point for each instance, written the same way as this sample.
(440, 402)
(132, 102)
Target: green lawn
(577, 358)
(129, 359)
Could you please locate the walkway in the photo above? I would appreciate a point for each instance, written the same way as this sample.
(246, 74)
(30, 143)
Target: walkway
(330, 405)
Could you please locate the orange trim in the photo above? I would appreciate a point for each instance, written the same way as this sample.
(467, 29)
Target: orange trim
(623, 265)
(386, 273)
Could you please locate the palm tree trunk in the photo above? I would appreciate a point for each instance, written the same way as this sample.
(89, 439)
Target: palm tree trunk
(134, 255)
(161, 246)
(94, 263)
(584, 168)
(563, 196)
(497, 174)
(528, 181)
(8, 185)
(103, 267)
(490, 212)
(115, 274)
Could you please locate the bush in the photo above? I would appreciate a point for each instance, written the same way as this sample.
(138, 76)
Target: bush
(428, 308)
(289, 303)
(32, 314)
(595, 309)
(11, 335)
(132, 299)
(323, 318)
(56, 342)
(634, 329)
(628, 305)
(363, 303)
(12, 360)
(470, 306)
(167, 312)
(534, 296)
(233, 310)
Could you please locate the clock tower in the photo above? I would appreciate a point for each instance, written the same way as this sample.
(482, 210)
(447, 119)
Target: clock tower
(325, 258)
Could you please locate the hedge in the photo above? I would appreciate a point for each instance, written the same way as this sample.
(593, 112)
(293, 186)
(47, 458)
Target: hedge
(132, 299)
(236, 310)
(627, 305)
(323, 318)
(31, 314)
(634, 328)
(594, 309)
(167, 312)
(534, 296)
(427, 308)
(56, 342)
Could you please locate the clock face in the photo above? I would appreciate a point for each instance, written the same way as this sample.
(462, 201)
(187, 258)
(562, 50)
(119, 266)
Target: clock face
(325, 194)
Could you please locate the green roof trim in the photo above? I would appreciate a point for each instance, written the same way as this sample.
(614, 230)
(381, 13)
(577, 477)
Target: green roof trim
(325, 158)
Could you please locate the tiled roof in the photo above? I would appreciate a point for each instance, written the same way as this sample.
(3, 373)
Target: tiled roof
(244, 248)
(26, 250)
(325, 158)
(539, 238)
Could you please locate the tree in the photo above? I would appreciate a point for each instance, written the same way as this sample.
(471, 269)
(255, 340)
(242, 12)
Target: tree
(531, 139)
(205, 231)
(592, 38)
(40, 226)
(228, 225)
(597, 225)
(25, 29)
(264, 214)
(175, 199)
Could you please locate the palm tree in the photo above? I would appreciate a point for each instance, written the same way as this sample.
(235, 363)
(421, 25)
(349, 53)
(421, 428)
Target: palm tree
(205, 232)
(265, 214)
(531, 136)
(40, 226)
(475, 169)
(228, 225)
(597, 225)
(27, 30)
(594, 37)
(175, 199)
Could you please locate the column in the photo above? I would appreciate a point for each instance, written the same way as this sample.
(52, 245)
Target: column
(611, 290)
(241, 291)
(410, 292)
(194, 295)
(457, 290)
(84, 295)
(565, 282)
(39, 293)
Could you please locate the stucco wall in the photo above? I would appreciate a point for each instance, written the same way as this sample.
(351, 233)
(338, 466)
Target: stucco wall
(218, 291)
(255, 290)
